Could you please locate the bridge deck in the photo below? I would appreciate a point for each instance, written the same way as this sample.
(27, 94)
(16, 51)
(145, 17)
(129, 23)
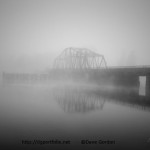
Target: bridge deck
(130, 70)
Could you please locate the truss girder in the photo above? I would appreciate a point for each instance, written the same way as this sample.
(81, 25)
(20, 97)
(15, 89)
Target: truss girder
(79, 58)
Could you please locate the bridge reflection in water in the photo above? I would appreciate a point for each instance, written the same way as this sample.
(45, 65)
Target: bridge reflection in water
(77, 100)
(83, 100)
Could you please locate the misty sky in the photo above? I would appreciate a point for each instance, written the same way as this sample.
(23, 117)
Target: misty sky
(34, 32)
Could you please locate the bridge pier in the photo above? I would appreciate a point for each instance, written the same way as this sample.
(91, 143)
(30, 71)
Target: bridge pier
(147, 85)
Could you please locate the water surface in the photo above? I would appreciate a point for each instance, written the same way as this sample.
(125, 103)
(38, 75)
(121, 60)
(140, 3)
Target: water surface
(75, 113)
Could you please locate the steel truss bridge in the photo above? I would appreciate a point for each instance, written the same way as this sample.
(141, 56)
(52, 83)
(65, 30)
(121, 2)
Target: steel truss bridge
(79, 58)
(84, 65)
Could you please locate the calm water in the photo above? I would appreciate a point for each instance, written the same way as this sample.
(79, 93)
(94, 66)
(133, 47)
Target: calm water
(75, 113)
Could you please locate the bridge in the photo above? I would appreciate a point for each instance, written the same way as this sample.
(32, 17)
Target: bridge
(79, 58)
(86, 65)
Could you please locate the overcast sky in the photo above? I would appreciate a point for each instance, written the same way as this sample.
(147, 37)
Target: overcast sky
(34, 32)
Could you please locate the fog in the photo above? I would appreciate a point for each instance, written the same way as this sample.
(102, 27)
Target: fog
(33, 32)
(37, 103)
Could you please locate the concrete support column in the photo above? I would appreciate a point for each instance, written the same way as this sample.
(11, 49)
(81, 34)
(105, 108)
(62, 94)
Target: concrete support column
(147, 85)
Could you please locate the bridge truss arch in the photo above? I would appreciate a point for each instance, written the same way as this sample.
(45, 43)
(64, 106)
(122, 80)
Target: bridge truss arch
(79, 58)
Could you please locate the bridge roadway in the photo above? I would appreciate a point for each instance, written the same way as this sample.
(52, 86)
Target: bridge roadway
(134, 70)
(109, 71)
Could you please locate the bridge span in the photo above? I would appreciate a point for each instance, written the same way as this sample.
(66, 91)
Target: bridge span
(84, 65)
(143, 70)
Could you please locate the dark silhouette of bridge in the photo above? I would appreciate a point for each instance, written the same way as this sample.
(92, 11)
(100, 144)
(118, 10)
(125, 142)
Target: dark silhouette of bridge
(79, 58)
(85, 65)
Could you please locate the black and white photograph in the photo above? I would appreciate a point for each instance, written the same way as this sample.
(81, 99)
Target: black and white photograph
(74, 74)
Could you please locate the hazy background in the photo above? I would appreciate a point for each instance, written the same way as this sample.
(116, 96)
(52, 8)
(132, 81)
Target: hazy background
(34, 32)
